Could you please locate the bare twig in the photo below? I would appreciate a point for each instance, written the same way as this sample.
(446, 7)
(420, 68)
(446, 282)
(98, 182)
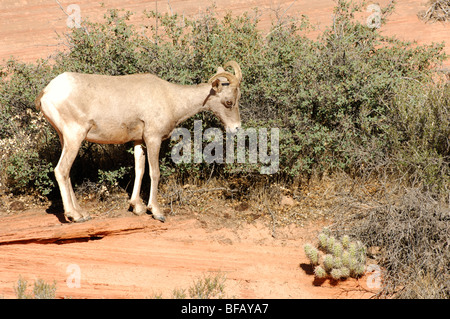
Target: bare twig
(438, 10)
(68, 15)
(273, 219)
(62, 8)
(170, 7)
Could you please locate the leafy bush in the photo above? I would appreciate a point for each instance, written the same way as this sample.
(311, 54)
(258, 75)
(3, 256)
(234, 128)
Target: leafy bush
(26, 169)
(27, 147)
(341, 101)
(341, 91)
(110, 179)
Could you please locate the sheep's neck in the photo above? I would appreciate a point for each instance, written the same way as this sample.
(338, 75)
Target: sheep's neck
(193, 101)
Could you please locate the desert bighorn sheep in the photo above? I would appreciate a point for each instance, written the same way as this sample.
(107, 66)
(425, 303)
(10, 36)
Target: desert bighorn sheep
(141, 108)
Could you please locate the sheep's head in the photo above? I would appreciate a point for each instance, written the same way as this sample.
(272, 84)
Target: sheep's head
(224, 96)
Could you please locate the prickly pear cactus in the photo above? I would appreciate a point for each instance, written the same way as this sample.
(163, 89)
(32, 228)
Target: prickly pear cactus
(328, 262)
(319, 272)
(336, 258)
(312, 253)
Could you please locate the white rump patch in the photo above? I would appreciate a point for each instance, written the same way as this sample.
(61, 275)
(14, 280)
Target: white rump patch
(59, 88)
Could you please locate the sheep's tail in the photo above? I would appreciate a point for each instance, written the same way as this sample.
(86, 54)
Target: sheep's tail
(37, 102)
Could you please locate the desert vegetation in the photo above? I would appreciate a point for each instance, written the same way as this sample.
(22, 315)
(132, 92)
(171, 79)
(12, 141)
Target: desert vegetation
(41, 289)
(209, 286)
(367, 112)
(336, 258)
(437, 11)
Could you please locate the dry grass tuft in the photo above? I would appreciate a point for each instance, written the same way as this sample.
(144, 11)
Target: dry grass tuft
(438, 10)
(411, 231)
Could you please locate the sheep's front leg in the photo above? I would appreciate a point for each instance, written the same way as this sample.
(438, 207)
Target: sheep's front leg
(136, 202)
(153, 146)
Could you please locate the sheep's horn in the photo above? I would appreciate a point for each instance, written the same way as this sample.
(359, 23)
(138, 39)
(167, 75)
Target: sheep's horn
(234, 81)
(237, 69)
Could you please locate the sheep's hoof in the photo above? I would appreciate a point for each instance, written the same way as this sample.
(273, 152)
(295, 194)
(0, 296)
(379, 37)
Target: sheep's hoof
(83, 219)
(160, 218)
(78, 220)
(139, 210)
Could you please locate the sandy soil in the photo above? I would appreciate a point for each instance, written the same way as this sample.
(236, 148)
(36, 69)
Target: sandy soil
(138, 257)
(28, 27)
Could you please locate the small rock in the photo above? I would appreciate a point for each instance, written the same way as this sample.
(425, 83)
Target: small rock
(17, 205)
(374, 251)
(287, 201)
(241, 207)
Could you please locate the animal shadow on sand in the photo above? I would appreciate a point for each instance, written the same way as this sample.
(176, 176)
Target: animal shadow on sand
(56, 208)
(309, 270)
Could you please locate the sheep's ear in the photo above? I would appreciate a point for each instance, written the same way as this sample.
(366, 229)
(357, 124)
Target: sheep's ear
(217, 86)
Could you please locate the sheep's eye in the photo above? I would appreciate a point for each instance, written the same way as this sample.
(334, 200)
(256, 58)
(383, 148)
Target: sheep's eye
(228, 103)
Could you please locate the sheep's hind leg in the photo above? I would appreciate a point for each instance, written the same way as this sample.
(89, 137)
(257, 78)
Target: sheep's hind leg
(85, 215)
(72, 209)
(136, 202)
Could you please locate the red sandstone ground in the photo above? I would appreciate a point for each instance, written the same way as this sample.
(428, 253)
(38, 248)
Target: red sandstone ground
(138, 257)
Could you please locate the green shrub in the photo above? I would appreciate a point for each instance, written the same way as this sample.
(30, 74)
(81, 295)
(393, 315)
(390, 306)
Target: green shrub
(342, 101)
(208, 287)
(26, 169)
(41, 290)
(24, 135)
(110, 179)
